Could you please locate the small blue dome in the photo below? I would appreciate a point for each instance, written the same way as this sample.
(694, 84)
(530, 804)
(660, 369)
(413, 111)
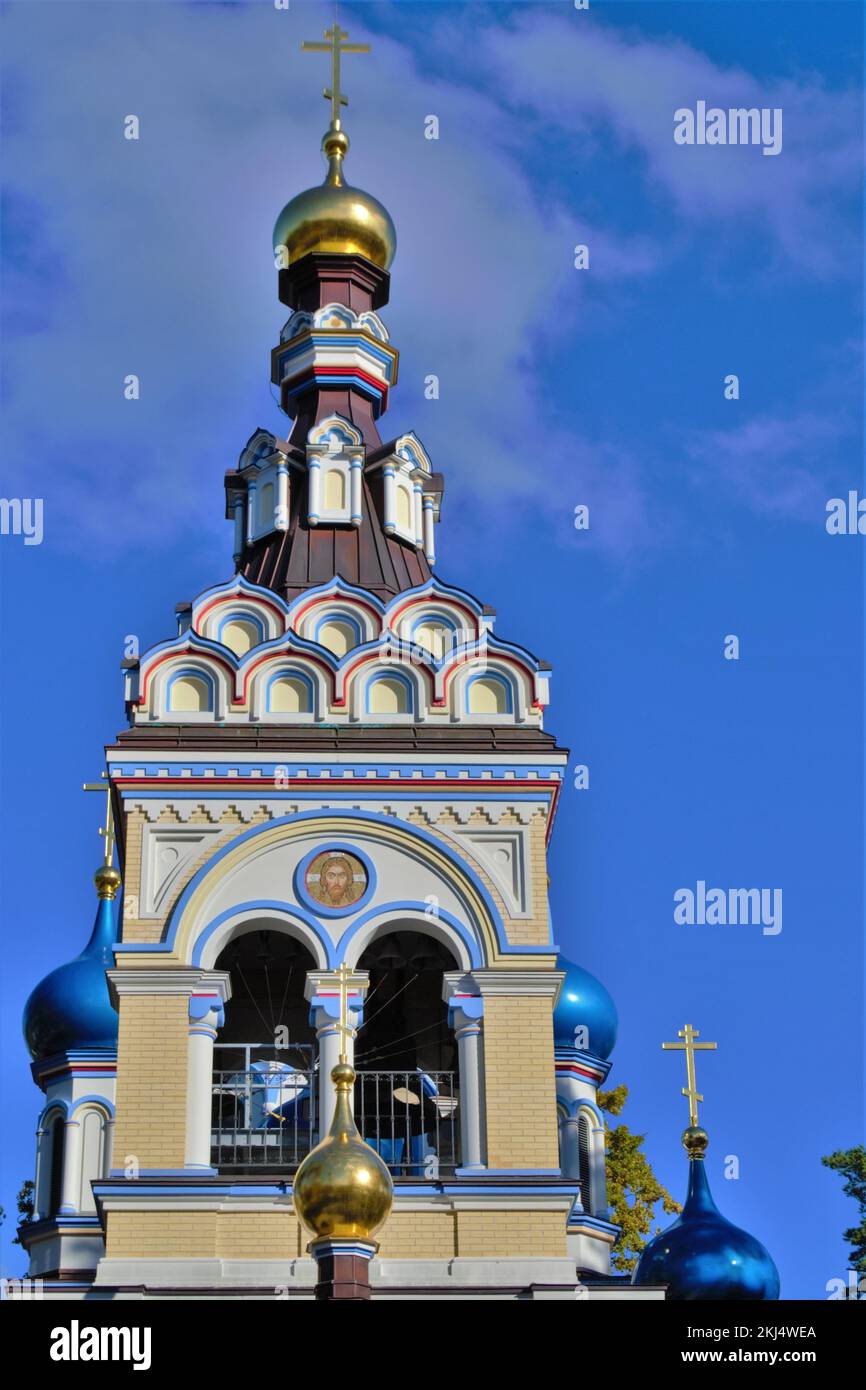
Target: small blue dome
(702, 1256)
(71, 1008)
(584, 1002)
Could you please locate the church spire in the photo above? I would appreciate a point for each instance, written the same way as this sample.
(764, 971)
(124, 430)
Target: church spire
(332, 500)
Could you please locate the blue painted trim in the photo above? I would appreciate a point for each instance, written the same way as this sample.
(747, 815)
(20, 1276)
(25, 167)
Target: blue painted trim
(241, 617)
(254, 905)
(408, 905)
(493, 677)
(93, 1100)
(401, 678)
(198, 673)
(334, 847)
(134, 1188)
(58, 1103)
(335, 588)
(295, 674)
(337, 616)
(583, 1218)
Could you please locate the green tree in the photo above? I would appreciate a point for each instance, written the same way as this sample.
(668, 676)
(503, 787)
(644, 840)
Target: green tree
(851, 1165)
(25, 1207)
(633, 1190)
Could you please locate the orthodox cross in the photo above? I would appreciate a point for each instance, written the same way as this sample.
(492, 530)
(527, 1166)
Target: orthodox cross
(336, 47)
(345, 974)
(106, 831)
(690, 1047)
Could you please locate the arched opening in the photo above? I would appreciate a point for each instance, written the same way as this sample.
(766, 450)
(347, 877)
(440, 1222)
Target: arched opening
(289, 694)
(190, 693)
(584, 1161)
(335, 490)
(405, 515)
(389, 695)
(264, 1108)
(57, 1145)
(338, 636)
(93, 1165)
(407, 1091)
(240, 635)
(488, 695)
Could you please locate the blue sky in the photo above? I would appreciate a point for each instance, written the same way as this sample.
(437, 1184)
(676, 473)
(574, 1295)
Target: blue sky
(558, 387)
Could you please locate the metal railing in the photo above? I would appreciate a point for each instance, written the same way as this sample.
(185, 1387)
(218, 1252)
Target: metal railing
(265, 1113)
(265, 1106)
(411, 1119)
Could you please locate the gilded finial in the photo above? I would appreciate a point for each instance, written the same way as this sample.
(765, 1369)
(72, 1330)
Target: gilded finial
(690, 1046)
(342, 1187)
(334, 218)
(106, 878)
(335, 142)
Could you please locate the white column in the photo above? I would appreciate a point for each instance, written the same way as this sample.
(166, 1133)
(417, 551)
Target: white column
(355, 491)
(281, 511)
(41, 1179)
(71, 1185)
(314, 494)
(251, 512)
(389, 478)
(239, 528)
(464, 1014)
(429, 542)
(419, 529)
(569, 1152)
(323, 992)
(205, 1017)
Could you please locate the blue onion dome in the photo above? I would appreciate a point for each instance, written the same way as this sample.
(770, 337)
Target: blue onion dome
(71, 1007)
(701, 1255)
(584, 1002)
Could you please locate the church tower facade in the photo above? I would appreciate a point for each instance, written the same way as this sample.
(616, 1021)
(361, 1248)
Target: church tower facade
(338, 763)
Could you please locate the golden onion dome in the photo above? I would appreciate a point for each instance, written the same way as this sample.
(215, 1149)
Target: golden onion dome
(335, 217)
(342, 1188)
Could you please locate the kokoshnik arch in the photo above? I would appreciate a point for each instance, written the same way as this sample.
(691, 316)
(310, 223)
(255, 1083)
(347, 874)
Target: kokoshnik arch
(334, 770)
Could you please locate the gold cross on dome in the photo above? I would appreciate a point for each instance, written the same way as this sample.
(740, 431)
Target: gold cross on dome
(345, 974)
(106, 831)
(690, 1047)
(336, 47)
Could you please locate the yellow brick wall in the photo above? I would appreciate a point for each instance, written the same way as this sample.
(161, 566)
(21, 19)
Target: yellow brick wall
(152, 1052)
(510, 1233)
(159, 1234)
(519, 1082)
(278, 1235)
(421, 1235)
(262, 1235)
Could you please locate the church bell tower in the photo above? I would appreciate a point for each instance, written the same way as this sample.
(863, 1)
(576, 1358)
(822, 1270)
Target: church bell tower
(336, 789)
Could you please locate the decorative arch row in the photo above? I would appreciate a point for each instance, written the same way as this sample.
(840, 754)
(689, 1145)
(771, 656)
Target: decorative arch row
(291, 684)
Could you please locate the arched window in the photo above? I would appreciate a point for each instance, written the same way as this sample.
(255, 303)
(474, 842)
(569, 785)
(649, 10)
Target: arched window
(488, 695)
(93, 1133)
(289, 692)
(57, 1147)
(338, 635)
(266, 507)
(435, 637)
(405, 513)
(190, 692)
(335, 490)
(584, 1161)
(389, 695)
(240, 635)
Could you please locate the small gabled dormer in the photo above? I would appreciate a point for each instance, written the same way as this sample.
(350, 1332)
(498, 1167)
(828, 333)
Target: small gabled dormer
(335, 464)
